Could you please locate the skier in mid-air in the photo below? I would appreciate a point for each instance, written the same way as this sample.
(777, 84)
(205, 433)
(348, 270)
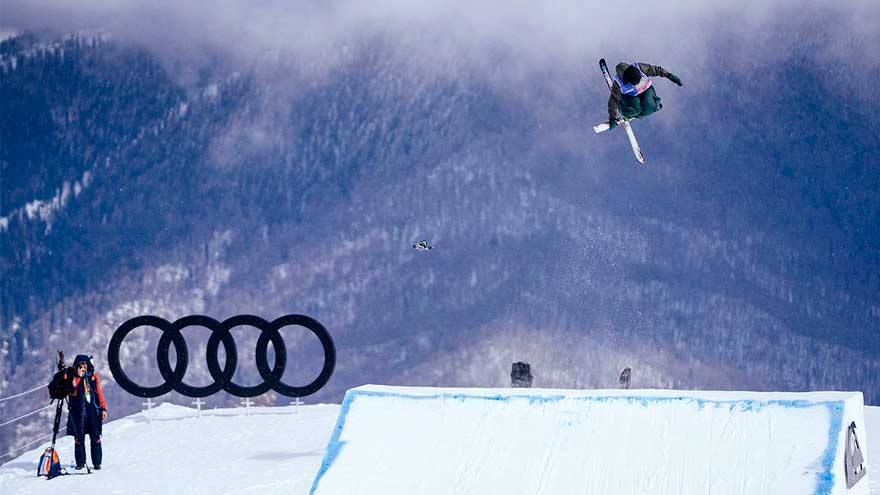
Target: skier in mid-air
(632, 91)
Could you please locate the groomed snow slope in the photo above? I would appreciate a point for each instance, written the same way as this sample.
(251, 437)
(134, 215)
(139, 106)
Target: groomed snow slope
(397, 440)
(273, 451)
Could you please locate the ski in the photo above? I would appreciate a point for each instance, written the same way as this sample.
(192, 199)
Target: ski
(604, 126)
(637, 151)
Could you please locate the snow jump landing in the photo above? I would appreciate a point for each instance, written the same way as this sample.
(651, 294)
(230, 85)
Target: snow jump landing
(399, 440)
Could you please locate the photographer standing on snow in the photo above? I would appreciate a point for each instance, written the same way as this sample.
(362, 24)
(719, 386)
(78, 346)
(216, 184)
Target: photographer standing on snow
(87, 410)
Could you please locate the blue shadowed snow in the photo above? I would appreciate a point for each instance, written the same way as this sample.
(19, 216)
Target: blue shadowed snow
(825, 479)
(334, 447)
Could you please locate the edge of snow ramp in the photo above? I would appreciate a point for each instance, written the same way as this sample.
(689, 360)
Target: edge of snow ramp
(407, 440)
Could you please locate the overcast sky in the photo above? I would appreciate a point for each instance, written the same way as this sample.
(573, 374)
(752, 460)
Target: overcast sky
(672, 32)
(513, 43)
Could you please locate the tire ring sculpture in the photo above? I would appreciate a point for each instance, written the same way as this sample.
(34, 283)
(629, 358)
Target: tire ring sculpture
(220, 334)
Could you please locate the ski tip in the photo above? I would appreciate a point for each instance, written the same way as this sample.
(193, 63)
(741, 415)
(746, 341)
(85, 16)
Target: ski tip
(601, 61)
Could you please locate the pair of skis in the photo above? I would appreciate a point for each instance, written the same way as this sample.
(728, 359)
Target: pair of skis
(621, 121)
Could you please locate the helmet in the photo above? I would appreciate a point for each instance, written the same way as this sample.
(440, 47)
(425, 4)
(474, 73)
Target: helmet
(632, 75)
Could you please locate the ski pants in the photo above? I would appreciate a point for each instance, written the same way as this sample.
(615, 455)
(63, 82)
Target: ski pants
(636, 107)
(79, 441)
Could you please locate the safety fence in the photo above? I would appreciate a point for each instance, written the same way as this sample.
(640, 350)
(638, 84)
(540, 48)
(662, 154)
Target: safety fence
(13, 420)
(6, 422)
(4, 399)
(20, 448)
(245, 409)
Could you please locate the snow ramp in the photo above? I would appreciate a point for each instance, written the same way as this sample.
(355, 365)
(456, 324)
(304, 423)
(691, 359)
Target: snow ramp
(403, 440)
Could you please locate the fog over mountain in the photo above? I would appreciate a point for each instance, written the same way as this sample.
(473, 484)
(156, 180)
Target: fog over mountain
(277, 157)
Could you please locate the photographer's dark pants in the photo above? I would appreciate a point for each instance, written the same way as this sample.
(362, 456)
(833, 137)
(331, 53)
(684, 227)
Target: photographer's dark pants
(90, 428)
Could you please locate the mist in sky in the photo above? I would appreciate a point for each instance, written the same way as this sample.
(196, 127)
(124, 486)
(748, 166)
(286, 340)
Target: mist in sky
(446, 33)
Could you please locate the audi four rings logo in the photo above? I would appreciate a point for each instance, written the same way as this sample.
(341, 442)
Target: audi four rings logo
(220, 333)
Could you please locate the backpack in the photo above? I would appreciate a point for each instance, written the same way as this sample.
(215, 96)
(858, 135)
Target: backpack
(61, 385)
(50, 465)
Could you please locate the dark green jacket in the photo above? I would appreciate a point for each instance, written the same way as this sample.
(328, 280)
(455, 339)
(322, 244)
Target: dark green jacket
(616, 95)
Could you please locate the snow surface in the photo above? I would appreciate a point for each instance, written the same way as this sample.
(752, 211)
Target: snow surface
(542, 442)
(272, 451)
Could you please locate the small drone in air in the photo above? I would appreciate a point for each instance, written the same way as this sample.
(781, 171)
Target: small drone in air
(423, 245)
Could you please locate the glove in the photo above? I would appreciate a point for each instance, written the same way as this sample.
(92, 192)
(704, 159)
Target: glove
(612, 124)
(675, 79)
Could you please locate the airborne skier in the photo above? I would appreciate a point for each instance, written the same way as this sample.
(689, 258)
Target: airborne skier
(632, 91)
(633, 95)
